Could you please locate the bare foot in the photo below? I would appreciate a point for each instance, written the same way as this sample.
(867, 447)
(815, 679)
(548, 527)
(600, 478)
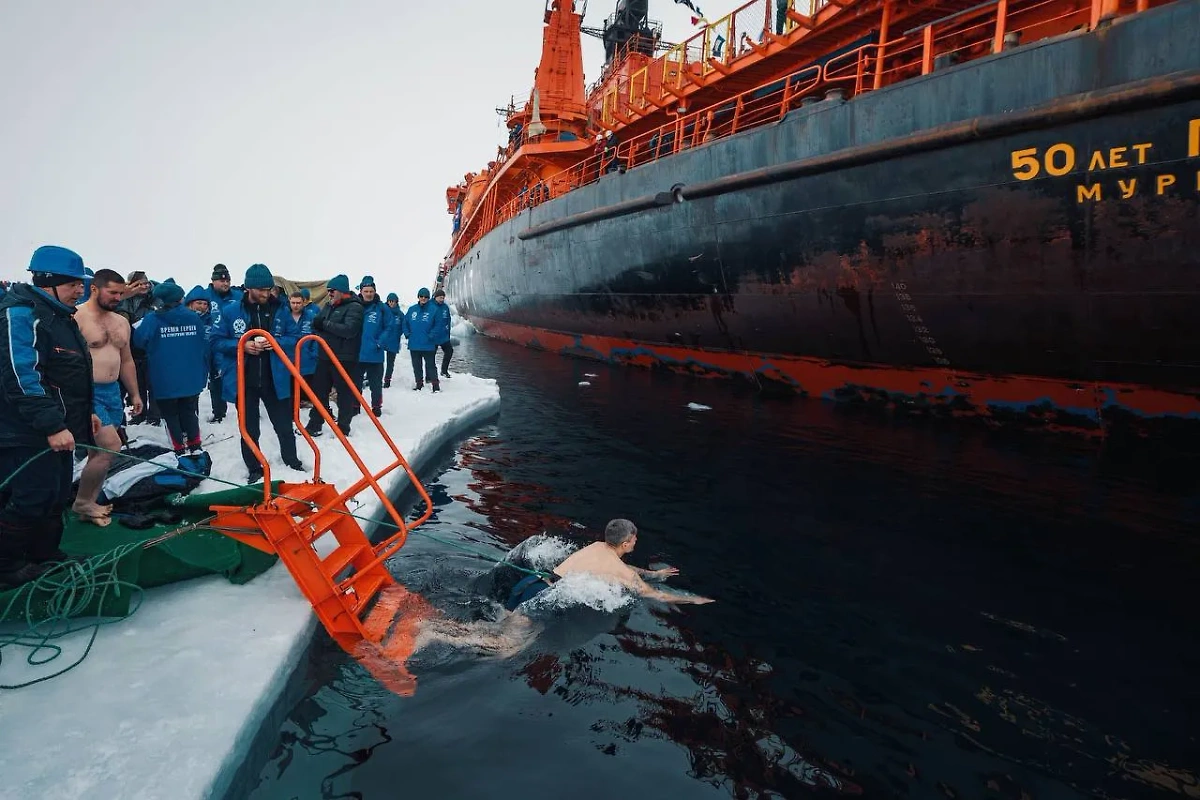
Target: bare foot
(93, 514)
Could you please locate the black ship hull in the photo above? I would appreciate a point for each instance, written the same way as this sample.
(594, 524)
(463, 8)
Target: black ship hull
(980, 241)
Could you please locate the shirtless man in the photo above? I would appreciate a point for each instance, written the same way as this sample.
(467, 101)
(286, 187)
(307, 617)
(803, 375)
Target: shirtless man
(107, 334)
(604, 560)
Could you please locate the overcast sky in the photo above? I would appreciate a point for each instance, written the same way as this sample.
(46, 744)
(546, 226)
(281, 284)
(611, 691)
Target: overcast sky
(315, 136)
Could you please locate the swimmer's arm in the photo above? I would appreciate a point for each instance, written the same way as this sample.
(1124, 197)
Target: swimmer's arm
(655, 574)
(635, 582)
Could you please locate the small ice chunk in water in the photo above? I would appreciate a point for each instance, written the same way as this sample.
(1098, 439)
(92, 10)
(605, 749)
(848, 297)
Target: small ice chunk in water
(585, 383)
(698, 407)
(590, 375)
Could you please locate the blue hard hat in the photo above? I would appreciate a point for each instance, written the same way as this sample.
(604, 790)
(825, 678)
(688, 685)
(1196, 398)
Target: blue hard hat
(55, 260)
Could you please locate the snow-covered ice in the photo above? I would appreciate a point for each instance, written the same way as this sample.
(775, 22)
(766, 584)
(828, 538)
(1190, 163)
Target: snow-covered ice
(168, 702)
(585, 383)
(698, 407)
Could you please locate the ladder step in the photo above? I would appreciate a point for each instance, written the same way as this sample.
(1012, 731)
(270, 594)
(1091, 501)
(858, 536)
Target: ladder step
(340, 558)
(298, 497)
(366, 588)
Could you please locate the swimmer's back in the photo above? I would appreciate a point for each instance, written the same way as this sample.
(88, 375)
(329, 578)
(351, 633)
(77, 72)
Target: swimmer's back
(596, 559)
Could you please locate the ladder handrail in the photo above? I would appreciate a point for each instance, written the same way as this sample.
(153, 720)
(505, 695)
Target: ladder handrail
(402, 528)
(300, 383)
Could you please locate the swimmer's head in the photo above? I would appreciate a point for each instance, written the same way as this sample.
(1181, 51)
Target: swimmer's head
(621, 535)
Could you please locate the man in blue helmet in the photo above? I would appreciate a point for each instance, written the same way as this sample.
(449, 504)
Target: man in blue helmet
(45, 401)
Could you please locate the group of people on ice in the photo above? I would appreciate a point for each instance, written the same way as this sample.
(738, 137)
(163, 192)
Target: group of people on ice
(83, 354)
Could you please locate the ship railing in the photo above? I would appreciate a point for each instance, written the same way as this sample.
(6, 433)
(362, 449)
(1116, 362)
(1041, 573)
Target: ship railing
(718, 42)
(962, 36)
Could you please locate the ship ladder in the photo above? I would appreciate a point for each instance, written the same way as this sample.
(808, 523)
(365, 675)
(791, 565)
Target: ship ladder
(350, 588)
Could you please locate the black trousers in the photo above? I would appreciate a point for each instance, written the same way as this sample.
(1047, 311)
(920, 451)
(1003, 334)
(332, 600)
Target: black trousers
(424, 358)
(32, 505)
(150, 409)
(325, 379)
(447, 354)
(373, 375)
(182, 415)
(215, 388)
(391, 365)
(279, 411)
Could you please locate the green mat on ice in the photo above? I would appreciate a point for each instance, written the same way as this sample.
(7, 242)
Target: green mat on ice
(180, 558)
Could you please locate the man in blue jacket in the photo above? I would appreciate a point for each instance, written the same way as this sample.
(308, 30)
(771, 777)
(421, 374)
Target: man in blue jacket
(220, 294)
(441, 331)
(392, 340)
(419, 323)
(45, 400)
(177, 352)
(266, 379)
(340, 324)
(377, 323)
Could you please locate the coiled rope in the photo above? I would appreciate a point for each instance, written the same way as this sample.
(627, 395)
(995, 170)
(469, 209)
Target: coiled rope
(65, 592)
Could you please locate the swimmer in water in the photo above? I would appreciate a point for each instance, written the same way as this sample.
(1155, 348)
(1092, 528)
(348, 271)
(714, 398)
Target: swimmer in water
(605, 560)
(420, 624)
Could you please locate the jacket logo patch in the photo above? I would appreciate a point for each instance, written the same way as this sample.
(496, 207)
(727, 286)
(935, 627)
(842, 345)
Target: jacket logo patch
(239, 327)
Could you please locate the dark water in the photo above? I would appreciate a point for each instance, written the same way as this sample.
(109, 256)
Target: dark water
(904, 609)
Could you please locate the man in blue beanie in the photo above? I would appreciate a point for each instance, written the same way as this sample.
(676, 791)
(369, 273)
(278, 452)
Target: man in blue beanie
(266, 379)
(392, 340)
(221, 293)
(378, 322)
(177, 352)
(441, 331)
(419, 324)
(340, 324)
(45, 401)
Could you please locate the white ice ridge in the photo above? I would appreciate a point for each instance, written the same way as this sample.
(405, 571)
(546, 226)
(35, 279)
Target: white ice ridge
(169, 701)
(698, 407)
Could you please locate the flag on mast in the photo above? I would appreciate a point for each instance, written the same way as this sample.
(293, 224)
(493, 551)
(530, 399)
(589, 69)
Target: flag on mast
(699, 14)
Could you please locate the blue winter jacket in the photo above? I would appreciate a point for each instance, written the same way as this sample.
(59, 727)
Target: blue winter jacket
(216, 302)
(236, 319)
(419, 324)
(176, 344)
(288, 329)
(391, 336)
(441, 330)
(377, 319)
(45, 370)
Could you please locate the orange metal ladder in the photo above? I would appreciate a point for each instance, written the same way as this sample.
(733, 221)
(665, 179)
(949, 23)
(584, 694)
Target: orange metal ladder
(341, 585)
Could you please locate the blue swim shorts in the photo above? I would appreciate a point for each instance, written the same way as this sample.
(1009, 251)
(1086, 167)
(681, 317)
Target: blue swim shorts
(107, 405)
(529, 587)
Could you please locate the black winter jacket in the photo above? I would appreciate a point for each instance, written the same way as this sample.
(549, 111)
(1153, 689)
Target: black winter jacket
(45, 370)
(341, 327)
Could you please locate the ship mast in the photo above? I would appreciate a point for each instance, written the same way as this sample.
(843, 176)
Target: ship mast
(556, 104)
